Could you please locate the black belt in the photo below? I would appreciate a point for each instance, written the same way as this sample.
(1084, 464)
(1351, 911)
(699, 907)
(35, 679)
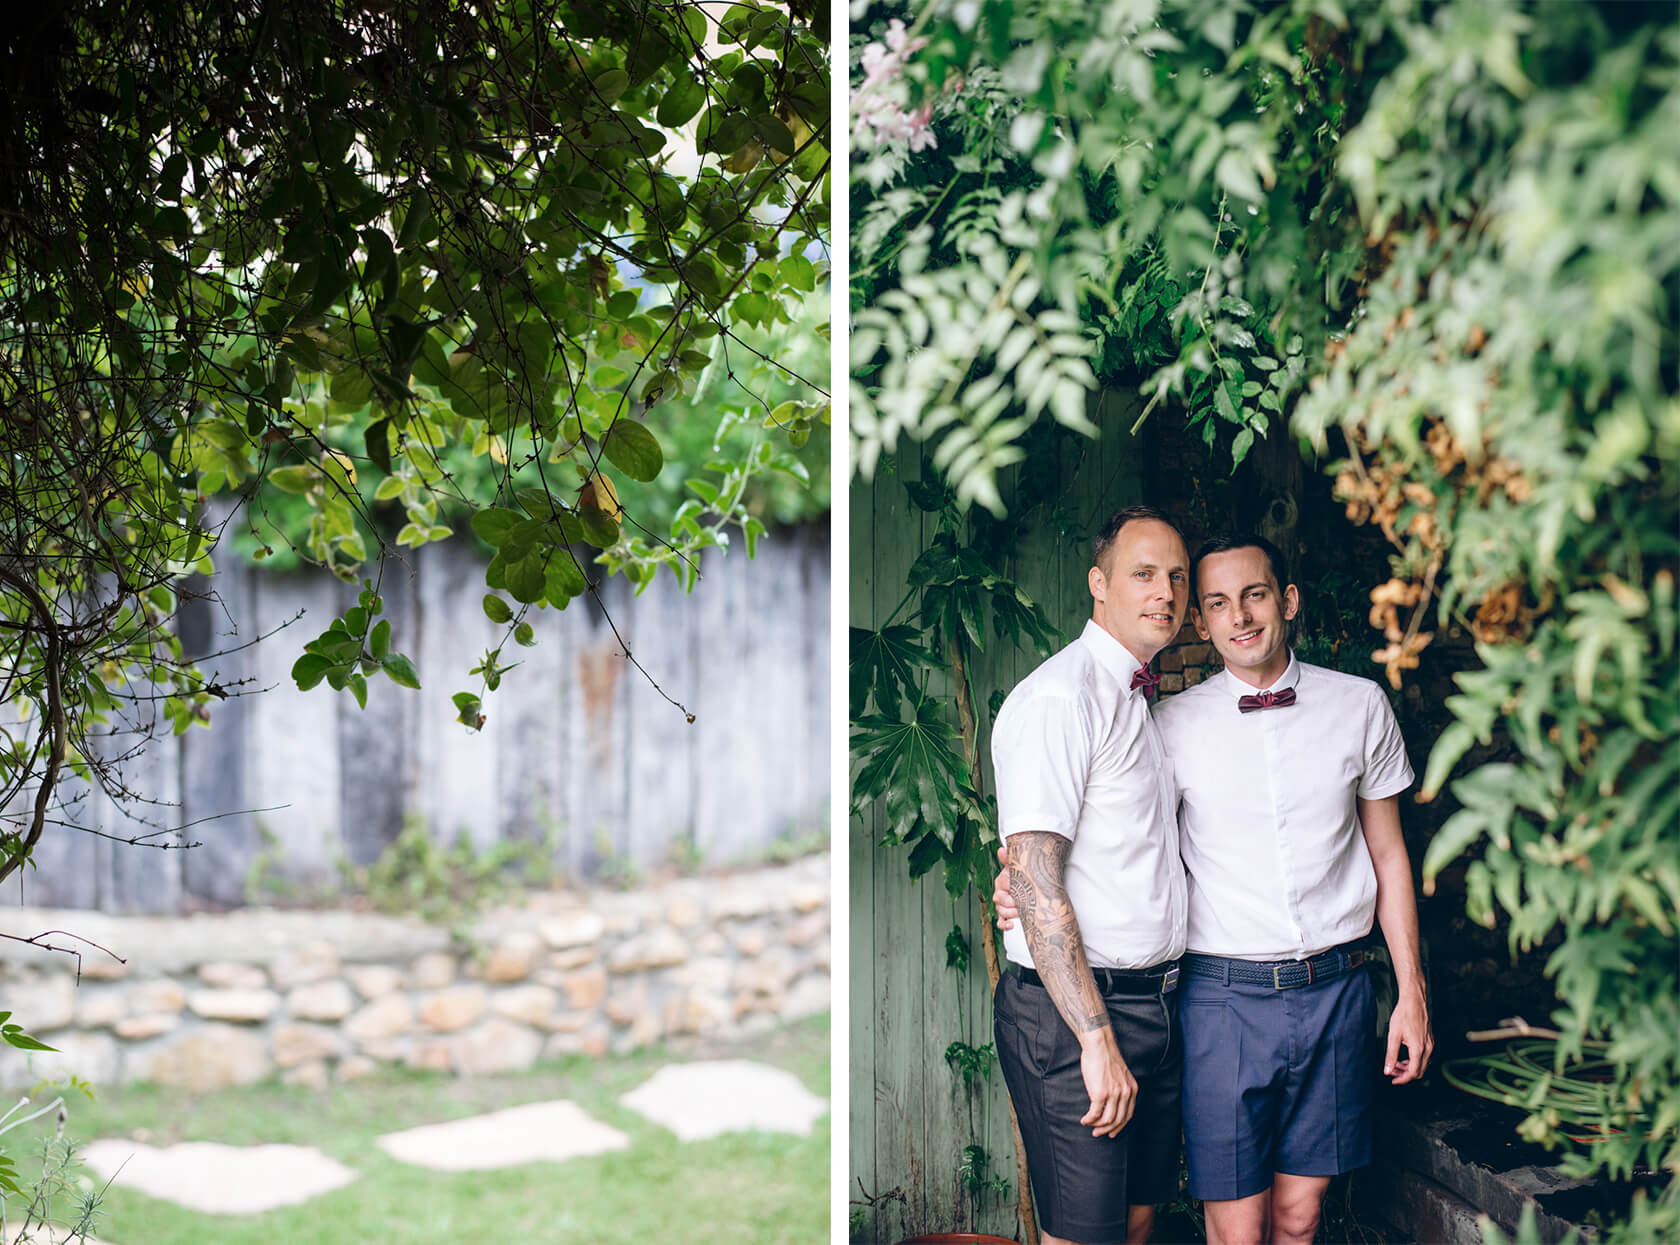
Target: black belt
(1278, 974)
(1162, 979)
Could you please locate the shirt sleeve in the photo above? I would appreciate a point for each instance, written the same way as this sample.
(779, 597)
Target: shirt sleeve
(1041, 756)
(1387, 770)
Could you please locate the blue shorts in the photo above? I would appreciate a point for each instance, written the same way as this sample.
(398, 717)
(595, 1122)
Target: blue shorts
(1275, 1080)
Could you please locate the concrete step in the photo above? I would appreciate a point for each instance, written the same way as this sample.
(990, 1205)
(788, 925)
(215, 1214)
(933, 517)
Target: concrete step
(1481, 1161)
(1445, 1157)
(1417, 1209)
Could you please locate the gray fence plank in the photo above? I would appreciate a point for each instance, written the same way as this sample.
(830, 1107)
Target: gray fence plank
(457, 773)
(661, 633)
(292, 762)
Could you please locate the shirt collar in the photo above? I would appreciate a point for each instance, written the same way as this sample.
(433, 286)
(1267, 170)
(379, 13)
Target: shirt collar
(1235, 687)
(1115, 657)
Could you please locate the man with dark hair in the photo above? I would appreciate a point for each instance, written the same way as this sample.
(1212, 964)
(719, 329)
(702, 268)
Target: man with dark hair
(1084, 1024)
(1288, 778)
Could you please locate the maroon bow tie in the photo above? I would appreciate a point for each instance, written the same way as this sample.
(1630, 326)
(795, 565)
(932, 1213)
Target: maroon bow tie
(1266, 700)
(1147, 679)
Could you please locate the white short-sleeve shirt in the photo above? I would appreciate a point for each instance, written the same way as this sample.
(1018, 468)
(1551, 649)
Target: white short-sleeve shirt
(1075, 753)
(1268, 819)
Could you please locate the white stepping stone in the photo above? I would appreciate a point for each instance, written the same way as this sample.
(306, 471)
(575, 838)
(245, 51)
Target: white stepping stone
(46, 1234)
(552, 1131)
(219, 1179)
(703, 1099)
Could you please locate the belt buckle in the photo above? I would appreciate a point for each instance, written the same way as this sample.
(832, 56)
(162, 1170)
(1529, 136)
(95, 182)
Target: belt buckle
(1277, 979)
(1169, 979)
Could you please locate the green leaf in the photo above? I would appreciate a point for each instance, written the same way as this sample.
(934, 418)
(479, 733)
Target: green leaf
(294, 480)
(885, 663)
(417, 224)
(401, 671)
(634, 450)
(469, 711)
(15, 1036)
(526, 577)
(915, 770)
(309, 670)
(497, 610)
(563, 579)
(682, 103)
(1240, 445)
(493, 524)
(379, 640)
(599, 528)
(610, 84)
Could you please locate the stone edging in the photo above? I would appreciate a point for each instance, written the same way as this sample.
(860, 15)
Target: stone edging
(206, 1002)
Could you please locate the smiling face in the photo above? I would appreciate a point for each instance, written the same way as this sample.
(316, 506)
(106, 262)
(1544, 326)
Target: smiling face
(1244, 613)
(1140, 593)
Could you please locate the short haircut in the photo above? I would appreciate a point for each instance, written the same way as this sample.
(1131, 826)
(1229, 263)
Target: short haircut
(1225, 543)
(1111, 528)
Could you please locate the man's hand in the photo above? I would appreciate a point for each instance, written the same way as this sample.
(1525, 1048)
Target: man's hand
(1001, 898)
(1110, 1083)
(1397, 914)
(1409, 1025)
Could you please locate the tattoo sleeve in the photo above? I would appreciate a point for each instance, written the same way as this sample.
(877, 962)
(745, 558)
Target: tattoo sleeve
(1038, 881)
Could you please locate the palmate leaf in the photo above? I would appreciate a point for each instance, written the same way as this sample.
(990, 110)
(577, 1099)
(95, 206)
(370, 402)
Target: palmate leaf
(885, 663)
(1017, 618)
(957, 584)
(917, 771)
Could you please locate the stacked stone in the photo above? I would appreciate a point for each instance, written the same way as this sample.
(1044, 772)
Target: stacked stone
(230, 1000)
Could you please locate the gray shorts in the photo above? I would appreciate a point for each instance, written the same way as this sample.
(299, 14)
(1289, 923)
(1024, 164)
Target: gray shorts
(1083, 1185)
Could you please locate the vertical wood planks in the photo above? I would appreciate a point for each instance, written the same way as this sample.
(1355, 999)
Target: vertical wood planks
(660, 778)
(576, 740)
(910, 1114)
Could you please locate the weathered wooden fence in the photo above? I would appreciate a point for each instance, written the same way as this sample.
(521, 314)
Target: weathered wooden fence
(911, 1117)
(577, 745)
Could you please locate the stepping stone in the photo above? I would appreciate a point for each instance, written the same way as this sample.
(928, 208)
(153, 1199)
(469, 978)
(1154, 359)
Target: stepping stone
(46, 1234)
(555, 1131)
(217, 1179)
(703, 1099)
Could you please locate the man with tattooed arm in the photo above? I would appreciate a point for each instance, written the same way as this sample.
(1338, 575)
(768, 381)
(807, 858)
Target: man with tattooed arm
(1287, 777)
(1085, 1024)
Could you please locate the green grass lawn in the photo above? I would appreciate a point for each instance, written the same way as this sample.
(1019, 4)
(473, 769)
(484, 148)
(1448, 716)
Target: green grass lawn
(741, 1188)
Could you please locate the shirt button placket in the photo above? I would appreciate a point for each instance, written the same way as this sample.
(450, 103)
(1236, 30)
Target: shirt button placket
(1270, 725)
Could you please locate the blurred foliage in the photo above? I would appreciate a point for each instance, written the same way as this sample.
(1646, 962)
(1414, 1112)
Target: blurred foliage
(704, 435)
(249, 246)
(1440, 245)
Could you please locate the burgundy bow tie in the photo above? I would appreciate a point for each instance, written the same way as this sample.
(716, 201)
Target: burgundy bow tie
(1266, 700)
(1147, 679)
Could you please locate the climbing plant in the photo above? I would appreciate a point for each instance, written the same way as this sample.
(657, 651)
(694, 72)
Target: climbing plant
(1439, 246)
(251, 247)
(915, 739)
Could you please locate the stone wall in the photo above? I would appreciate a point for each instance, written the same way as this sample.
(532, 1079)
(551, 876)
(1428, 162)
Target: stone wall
(208, 1001)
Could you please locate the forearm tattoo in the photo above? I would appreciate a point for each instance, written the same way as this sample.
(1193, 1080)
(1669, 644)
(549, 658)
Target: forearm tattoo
(1038, 881)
